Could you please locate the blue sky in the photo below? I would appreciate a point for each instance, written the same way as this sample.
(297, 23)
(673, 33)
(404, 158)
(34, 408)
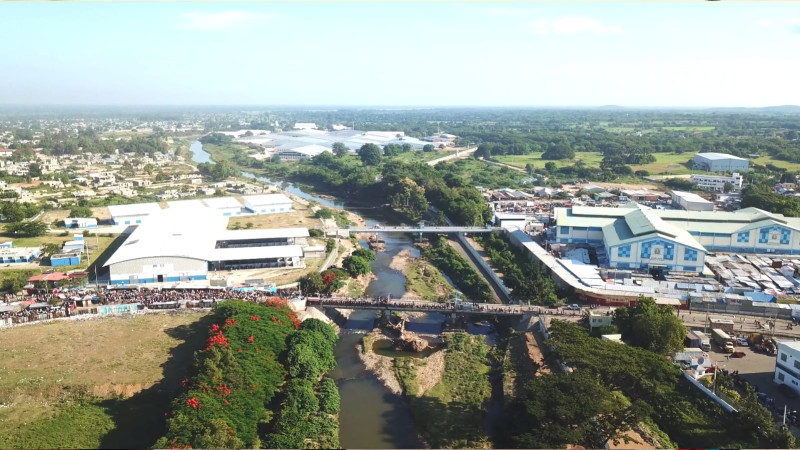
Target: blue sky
(414, 53)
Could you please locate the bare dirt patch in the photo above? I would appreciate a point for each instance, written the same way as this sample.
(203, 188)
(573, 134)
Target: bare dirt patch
(382, 367)
(431, 373)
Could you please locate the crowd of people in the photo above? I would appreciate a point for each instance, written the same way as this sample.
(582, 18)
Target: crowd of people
(54, 304)
(383, 302)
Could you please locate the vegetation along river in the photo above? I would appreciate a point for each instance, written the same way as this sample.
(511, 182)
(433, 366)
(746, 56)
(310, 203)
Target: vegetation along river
(371, 416)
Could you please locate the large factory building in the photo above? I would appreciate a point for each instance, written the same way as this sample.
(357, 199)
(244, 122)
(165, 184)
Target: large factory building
(185, 244)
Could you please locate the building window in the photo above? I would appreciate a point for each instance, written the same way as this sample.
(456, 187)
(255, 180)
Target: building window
(563, 230)
(783, 356)
(781, 376)
(797, 364)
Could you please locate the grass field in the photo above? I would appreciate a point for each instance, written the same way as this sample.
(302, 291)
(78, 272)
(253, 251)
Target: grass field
(93, 384)
(664, 160)
(418, 156)
(589, 159)
(689, 128)
(425, 281)
(764, 160)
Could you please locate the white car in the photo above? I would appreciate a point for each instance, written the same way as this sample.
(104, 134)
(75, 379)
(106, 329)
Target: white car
(574, 307)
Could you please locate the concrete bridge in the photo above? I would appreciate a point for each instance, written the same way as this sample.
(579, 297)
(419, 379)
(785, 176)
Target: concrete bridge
(418, 229)
(422, 306)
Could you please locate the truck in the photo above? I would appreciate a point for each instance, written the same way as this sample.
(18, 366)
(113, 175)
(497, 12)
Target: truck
(725, 325)
(687, 354)
(722, 340)
(698, 339)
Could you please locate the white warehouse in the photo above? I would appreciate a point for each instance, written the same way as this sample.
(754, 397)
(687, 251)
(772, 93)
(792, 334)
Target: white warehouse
(132, 214)
(183, 245)
(267, 203)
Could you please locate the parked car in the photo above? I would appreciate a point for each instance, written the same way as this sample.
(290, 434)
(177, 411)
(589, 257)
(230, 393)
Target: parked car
(742, 342)
(574, 307)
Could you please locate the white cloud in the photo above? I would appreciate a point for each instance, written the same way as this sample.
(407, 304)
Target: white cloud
(568, 25)
(219, 21)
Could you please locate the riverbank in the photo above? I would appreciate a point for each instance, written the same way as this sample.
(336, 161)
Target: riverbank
(423, 281)
(447, 391)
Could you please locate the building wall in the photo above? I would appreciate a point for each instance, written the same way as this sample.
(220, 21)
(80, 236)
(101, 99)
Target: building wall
(146, 270)
(656, 252)
(787, 367)
(579, 235)
(721, 165)
(129, 220)
(269, 209)
(774, 238)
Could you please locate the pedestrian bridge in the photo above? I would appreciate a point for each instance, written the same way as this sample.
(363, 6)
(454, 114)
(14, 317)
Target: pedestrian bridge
(417, 229)
(421, 306)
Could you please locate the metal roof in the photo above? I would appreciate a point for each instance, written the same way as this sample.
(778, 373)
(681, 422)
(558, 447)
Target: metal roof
(266, 199)
(222, 202)
(135, 209)
(712, 156)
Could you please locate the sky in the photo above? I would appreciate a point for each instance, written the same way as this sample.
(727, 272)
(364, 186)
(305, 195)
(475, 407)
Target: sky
(679, 54)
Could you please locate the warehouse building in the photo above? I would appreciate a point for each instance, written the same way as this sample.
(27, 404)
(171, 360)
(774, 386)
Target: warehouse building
(227, 206)
(637, 237)
(184, 245)
(301, 152)
(716, 183)
(720, 162)
(691, 201)
(133, 214)
(185, 204)
(267, 203)
(80, 222)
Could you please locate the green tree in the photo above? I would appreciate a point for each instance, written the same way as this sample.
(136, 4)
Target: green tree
(727, 187)
(550, 166)
(428, 148)
(50, 249)
(365, 253)
(80, 211)
(27, 229)
(312, 283)
(370, 154)
(356, 266)
(650, 326)
(339, 149)
(35, 170)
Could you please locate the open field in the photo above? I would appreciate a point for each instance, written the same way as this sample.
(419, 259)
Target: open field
(589, 159)
(764, 160)
(418, 156)
(302, 217)
(664, 160)
(97, 245)
(100, 383)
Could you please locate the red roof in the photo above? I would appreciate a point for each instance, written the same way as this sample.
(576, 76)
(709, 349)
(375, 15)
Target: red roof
(55, 276)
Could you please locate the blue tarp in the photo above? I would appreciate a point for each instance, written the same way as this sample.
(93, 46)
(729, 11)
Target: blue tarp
(760, 297)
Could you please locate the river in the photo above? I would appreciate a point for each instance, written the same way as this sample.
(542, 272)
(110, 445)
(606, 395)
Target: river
(371, 416)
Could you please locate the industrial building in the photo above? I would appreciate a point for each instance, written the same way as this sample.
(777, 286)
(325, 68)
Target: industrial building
(691, 201)
(720, 162)
(183, 245)
(267, 203)
(717, 183)
(637, 237)
(132, 214)
(302, 152)
(228, 206)
(352, 139)
(80, 222)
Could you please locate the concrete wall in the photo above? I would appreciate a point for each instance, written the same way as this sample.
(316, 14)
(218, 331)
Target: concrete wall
(476, 257)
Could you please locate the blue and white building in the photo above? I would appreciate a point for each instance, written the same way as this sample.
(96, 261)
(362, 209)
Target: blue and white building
(227, 206)
(80, 222)
(267, 203)
(182, 245)
(9, 255)
(133, 214)
(787, 364)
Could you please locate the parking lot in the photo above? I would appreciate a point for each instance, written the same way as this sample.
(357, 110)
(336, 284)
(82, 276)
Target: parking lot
(758, 370)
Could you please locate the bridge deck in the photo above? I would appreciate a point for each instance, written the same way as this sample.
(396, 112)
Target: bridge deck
(422, 306)
(419, 230)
